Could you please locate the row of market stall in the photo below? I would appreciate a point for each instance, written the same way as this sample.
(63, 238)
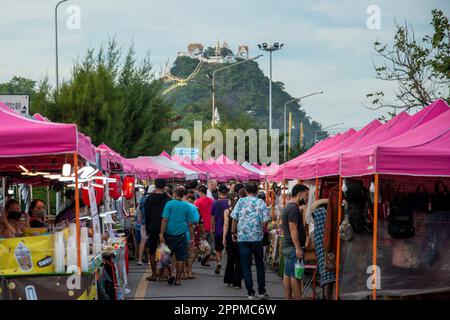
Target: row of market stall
(389, 182)
(35, 153)
(402, 165)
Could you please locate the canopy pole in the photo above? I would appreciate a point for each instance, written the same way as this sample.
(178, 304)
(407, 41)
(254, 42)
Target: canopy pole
(374, 238)
(49, 210)
(338, 244)
(317, 189)
(77, 210)
(284, 193)
(273, 203)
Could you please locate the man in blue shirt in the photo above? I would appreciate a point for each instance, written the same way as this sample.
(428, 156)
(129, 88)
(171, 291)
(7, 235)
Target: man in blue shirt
(192, 254)
(176, 219)
(249, 218)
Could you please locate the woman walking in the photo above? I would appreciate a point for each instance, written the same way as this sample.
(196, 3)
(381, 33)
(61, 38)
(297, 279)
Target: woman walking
(233, 271)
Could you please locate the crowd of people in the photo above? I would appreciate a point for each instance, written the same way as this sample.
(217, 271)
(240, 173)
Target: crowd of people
(188, 218)
(229, 218)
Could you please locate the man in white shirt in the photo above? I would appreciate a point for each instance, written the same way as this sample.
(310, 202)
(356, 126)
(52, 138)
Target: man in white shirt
(212, 189)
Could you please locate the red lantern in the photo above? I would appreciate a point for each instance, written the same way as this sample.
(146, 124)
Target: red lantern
(115, 188)
(99, 192)
(128, 187)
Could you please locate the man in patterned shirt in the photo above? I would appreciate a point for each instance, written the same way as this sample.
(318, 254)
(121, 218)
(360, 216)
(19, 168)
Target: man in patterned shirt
(249, 218)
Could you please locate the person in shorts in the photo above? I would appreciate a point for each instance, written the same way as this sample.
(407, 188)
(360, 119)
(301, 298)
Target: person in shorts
(153, 209)
(217, 214)
(294, 240)
(192, 251)
(176, 219)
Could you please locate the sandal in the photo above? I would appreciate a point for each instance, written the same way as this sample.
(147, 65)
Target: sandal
(191, 277)
(163, 279)
(139, 263)
(151, 278)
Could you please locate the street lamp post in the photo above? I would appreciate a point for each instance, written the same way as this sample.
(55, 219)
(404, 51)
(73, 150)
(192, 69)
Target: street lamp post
(328, 127)
(270, 48)
(56, 43)
(213, 84)
(285, 105)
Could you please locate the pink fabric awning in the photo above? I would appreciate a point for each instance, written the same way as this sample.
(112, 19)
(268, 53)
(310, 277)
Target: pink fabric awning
(328, 164)
(113, 160)
(203, 175)
(20, 137)
(239, 171)
(154, 169)
(423, 150)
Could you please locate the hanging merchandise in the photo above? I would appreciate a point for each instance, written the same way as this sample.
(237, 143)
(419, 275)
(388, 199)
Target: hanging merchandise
(345, 229)
(97, 239)
(420, 199)
(115, 188)
(405, 255)
(356, 197)
(98, 191)
(440, 200)
(128, 187)
(401, 220)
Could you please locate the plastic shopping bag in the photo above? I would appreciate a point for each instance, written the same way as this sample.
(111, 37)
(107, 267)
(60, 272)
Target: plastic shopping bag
(299, 269)
(204, 248)
(163, 256)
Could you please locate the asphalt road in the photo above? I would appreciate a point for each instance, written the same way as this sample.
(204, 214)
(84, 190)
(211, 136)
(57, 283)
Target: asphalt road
(207, 285)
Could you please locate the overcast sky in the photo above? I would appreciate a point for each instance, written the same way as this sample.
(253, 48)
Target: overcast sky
(327, 43)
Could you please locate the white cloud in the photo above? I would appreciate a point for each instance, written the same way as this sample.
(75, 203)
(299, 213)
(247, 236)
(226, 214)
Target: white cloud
(328, 46)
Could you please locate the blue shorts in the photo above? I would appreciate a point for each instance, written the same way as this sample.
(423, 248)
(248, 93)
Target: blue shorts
(289, 261)
(137, 235)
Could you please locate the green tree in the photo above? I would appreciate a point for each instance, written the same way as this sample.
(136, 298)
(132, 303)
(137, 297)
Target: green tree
(113, 101)
(421, 68)
(18, 85)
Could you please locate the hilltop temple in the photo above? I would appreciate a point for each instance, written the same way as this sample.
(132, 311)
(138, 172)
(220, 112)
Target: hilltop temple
(219, 54)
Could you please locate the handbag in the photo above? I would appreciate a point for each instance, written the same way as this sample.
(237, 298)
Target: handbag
(356, 216)
(440, 200)
(345, 229)
(401, 220)
(330, 261)
(420, 199)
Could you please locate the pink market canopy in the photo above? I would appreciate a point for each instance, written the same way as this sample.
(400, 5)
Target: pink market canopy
(165, 154)
(358, 153)
(213, 171)
(203, 175)
(39, 117)
(289, 170)
(271, 170)
(186, 173)
(252, 168)
(227, 172)
(240, 172)
(153, 169)
(328, 164)
(113, 161)
(27, 139)
(422, 151)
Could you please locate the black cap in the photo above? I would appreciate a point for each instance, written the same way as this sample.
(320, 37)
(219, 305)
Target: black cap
(160, 183)
(223, 188)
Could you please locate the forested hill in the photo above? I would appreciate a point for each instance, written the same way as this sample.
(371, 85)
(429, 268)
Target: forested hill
(241, 98)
